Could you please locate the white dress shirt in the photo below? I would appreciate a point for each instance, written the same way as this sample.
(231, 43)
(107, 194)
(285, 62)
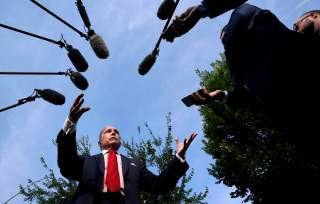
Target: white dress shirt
(105, 154)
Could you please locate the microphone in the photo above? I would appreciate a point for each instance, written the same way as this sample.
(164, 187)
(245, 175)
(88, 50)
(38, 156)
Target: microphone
(148, 62)
(166, 9)
(79, 80)
(51, 96)
(78, 61)
(98, 45)
(83, 14)
(150, 59)
(47, 94)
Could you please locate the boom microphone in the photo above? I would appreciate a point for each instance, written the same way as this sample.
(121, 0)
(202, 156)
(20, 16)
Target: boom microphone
(83, 14)
(147, 63)
(51, 96)
(77, 59)
(166, 9)
(79, 80)
(98, 45)
(150, 59)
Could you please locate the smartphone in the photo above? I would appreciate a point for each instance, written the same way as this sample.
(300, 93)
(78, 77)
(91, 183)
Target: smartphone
(189, 100)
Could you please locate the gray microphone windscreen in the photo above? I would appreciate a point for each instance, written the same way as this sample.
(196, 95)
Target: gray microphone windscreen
(51, 96)
(78, 61)
(147, 63)
(99, 47)
(79, 80)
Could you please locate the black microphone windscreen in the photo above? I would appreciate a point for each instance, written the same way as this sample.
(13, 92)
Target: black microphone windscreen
(99, 46)
(51, 96)
(166, 9)
(79, 80)
(147, 63)
(77, 60)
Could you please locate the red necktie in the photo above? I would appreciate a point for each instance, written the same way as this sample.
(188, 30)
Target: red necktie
(112, 178)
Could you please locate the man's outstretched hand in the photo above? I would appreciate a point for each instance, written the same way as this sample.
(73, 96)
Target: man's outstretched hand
(182, 24)
(182, 147)
(76, 110)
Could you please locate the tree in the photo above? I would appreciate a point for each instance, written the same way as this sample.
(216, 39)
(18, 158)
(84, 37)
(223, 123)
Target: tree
(53, 189)
(248, 151)
(154, 151)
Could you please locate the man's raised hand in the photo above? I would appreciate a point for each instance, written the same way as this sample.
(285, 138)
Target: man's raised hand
(76, 110)
(182, 147)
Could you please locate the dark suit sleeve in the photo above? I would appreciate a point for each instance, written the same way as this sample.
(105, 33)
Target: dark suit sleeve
(240, 97)
(217, 7)
(238, 57)
(166, 181)
(69, 162)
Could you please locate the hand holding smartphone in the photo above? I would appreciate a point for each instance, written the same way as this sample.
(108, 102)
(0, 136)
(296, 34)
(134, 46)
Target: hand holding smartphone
(190, 99)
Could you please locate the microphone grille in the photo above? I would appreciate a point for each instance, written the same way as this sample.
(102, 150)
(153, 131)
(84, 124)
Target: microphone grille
(99, 46)
(165, 9)
(79, 80)
(51, 96)
(146, 64)
(77, 60)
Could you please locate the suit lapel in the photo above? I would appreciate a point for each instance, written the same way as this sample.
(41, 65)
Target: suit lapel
(100, 161)
(125, 165)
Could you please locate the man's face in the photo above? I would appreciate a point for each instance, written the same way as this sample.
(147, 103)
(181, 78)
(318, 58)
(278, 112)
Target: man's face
(110, 138)
(308, 24)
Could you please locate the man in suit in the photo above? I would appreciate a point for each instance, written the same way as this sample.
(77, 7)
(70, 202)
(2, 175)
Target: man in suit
(273, 68)
(108, 177)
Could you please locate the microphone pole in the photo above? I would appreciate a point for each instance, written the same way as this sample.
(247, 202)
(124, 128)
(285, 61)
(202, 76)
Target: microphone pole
(60, 43)
(74, 55)
(77, 79)
(60, 19)
(33, 73)
(166, 25)
(83, 14)
(48, 95)
(21, 101)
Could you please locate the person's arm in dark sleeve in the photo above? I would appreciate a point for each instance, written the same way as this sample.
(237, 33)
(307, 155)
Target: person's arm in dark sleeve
(213, 8)
(166, 181)
(169, 177)
(242, 98)
(69, 162)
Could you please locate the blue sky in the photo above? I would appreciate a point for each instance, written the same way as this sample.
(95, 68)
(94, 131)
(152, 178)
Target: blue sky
(117, 94)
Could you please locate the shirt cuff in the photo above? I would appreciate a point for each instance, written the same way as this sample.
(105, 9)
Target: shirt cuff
(226, 96)
(68, 125)
(180, 159)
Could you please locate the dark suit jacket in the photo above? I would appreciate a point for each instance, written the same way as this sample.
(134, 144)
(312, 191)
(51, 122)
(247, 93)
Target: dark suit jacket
(274, 69)
(89, 171)
(269, 62)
